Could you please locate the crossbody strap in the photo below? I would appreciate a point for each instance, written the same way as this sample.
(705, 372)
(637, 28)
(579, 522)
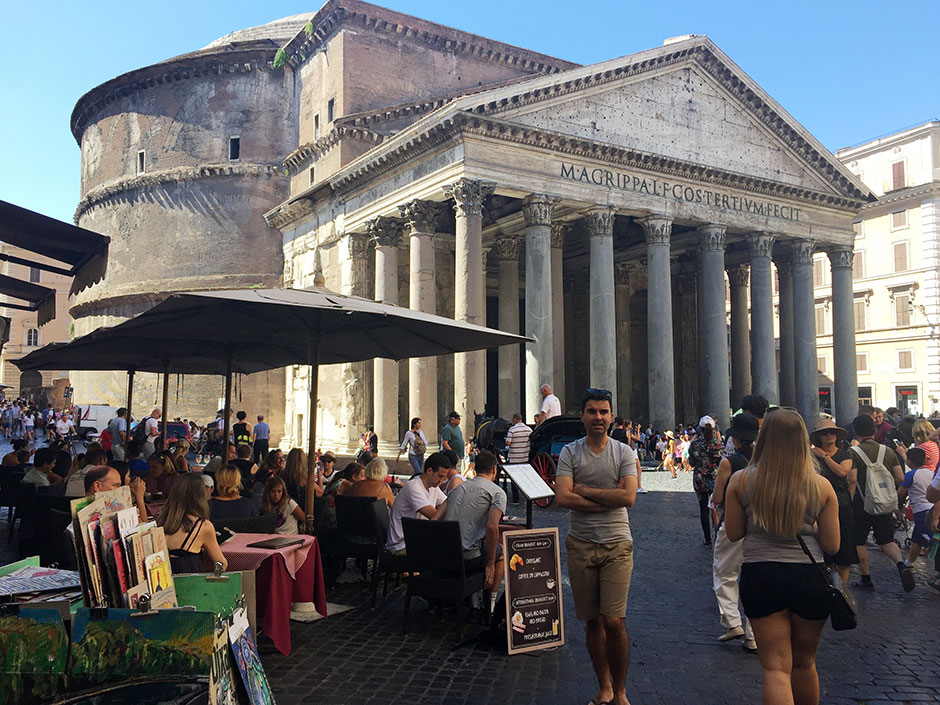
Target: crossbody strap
(822, 571)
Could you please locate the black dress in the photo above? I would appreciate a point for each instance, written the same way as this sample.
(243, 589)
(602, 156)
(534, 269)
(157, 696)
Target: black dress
(847, 553)
(183, 560)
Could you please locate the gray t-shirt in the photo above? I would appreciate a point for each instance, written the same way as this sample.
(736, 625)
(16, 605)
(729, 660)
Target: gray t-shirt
(470, 503)
(603, 470)
(116, 427)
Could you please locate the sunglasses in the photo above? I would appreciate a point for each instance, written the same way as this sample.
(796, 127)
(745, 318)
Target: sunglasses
(593, 391)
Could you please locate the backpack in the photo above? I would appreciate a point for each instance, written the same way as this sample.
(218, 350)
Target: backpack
(880, 493)
(140, 431)
(419, 446)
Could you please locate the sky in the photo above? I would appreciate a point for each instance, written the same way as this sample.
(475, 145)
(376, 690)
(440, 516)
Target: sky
(848, 71)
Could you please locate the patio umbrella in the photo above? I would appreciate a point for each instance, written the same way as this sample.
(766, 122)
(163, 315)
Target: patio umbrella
(257, 329)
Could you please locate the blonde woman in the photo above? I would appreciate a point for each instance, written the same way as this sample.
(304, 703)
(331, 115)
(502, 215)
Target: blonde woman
(294, 475)
(776, 498)
(179, 455)
(230, 504)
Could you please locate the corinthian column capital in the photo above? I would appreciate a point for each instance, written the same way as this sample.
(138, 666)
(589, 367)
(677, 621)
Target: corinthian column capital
(600, 221)
(560, 231)
(739, 275)
(841, 256)
(358, 245)
(712, 237)
(385, 232)
(537, 209)
(507, 248)
(802, 251)
(656, 228)
(760, 244)
(420, 216)
(468, 195)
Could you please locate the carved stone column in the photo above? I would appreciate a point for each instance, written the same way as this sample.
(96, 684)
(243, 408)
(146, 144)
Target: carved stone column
(386, 235)
(804, 334)
(420, 219)
(787, 359)
(603, 337)
(739, 276)
(469, 382)
(539, 360)
(624, 279)
(356, 376)
(559, 231)
(660, 363)
(686, 348)
(843, 335)
(763, 355)
(714, 333)
(510, 399)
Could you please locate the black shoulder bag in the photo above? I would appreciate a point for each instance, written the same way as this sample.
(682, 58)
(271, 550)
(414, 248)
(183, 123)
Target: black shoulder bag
(843, 607)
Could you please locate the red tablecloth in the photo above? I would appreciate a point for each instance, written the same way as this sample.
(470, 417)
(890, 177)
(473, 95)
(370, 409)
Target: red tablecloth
(275, 588)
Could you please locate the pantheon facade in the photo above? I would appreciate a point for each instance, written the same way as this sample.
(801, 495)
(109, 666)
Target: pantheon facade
(607, 211)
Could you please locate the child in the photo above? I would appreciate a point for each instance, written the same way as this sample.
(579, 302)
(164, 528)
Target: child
(277, 501)
(914, 486)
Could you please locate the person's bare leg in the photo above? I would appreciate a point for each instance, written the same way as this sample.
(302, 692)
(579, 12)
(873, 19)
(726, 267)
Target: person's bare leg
(804, 640)
(618, 657)
(597, 648)
(639, 475)
(773, 646)
(844, 571)
(914, 553)
(864, 565)
(892, 551)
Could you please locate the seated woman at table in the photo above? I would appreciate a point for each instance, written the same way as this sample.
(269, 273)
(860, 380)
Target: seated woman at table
(190, 536)
(277, 501)
(295, 476)
(372, 484)
(161, 474)
(230, 504)
(179, 455)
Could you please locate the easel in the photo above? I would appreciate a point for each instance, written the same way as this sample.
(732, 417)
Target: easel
(530, 484)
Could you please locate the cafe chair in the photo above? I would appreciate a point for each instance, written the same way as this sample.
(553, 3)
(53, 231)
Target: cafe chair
(319, 514)
(436, 567)
(388, 563)
(25, 504)
(9, 488)
(265, 524)
(355, 524)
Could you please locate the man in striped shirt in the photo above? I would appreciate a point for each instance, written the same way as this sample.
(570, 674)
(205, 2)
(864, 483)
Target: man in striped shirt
(517, 441)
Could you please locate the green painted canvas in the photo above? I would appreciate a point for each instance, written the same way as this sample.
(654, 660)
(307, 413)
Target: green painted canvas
(33, 654)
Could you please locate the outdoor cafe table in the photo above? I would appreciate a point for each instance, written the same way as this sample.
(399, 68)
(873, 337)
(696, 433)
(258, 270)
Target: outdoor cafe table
(282, 576)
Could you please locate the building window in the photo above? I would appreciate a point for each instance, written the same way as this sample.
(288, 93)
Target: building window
(313, 175)
(822, 365)
(861, 362)
(330, 109)
(905, 360)
(899, 220)
(821, 320)
(900, 257)
(141, 161)
(897, 175)
(234, 148)
(316, 126)
(858, 265)
(902, 310)
(819, 271)
(861, 315)
(859, 228)
(34, 274)
(865, 396)
(32, 337)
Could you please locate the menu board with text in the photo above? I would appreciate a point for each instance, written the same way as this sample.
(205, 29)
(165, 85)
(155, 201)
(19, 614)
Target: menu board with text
(532, 567)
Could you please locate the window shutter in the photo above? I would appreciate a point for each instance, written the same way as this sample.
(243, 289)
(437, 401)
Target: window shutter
(897, 175)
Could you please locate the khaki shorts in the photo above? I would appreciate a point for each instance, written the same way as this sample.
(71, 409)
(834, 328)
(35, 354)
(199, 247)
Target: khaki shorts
(600, 577)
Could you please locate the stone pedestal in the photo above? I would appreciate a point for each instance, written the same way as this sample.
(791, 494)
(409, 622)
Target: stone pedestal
(843, 335)
(738, 277)
(804, 334)
(469, 381)
(510, 401)
(539, 360)
(714, 333)
(661, 370)
(787, 360)
(763, 355)
(386, 236)
(603, 337)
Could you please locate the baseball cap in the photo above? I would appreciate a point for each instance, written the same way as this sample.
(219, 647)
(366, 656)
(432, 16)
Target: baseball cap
(706, 421)
(453, 415)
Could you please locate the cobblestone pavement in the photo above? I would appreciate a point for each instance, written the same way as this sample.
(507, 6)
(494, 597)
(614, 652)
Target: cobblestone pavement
(362, 657)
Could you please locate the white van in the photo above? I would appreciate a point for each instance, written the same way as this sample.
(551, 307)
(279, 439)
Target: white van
(92, 419)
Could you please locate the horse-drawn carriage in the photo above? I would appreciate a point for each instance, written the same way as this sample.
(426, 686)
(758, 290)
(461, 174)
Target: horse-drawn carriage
(545, 443)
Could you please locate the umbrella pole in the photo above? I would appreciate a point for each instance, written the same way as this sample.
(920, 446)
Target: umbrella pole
(130, 399)
(313, 352)
(226, 417)
(166, 403)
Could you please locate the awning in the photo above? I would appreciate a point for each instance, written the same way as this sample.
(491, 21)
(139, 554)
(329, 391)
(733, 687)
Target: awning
(83, 252)
(39, 298)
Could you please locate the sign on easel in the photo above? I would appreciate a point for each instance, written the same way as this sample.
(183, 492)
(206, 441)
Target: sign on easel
(532, 568)
(527, 479)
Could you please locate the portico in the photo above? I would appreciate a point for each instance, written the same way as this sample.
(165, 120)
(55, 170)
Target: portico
(552, 177)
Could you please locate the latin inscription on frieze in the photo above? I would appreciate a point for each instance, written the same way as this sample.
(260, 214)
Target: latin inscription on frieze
(625, 181)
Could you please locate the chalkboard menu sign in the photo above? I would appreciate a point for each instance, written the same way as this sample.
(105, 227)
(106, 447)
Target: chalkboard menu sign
(532, 566)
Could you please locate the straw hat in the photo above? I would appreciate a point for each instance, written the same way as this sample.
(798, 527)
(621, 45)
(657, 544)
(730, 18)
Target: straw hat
(827, 424)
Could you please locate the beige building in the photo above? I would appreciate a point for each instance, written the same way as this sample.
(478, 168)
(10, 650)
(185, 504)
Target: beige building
(25, 332)
(896, 273)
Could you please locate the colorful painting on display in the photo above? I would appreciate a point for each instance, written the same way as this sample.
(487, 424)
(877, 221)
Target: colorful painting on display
(247, 660)
(33, 654)
(223, 686)
(125, 645)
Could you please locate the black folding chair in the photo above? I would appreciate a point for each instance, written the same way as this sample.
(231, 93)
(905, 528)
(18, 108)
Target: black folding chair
(355, 524)
(265, 524)
(388, 563)
(437, 567)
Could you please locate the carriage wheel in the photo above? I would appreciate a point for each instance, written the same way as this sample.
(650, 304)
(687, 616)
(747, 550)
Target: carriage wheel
(545, 467)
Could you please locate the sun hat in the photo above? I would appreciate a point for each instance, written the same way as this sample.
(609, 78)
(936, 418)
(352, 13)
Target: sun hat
(706, 421)
(827, 425)
(744, 427)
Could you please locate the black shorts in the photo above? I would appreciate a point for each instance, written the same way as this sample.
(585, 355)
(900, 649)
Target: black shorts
(767, 588)
(881, 524)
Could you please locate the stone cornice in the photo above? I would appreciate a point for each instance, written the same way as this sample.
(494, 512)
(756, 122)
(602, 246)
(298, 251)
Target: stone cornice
(311, 151)
(363, 16)
(117, 190)
(214, 62)
(909, 196)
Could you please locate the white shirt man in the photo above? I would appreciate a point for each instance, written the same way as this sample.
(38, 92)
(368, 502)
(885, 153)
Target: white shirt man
(152, 424)
(64, 426)
(551, 405)
(421, 497)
